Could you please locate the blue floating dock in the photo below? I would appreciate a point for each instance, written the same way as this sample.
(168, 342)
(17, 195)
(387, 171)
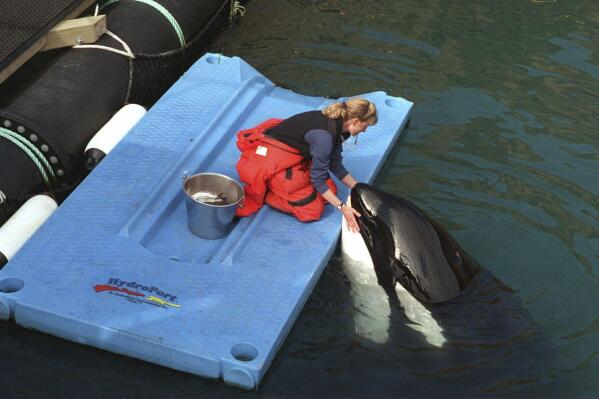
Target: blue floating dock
(116, 267)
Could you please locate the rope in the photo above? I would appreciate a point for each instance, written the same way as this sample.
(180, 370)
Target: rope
(33, 153)
(130, 82)
(169, 17)
(126, 53)
(237, 10)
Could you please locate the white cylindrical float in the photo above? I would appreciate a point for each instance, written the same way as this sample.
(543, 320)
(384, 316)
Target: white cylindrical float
(23, 224)
(111, 133)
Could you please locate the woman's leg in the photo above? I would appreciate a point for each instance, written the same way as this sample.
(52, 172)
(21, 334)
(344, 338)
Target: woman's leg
(291, 191)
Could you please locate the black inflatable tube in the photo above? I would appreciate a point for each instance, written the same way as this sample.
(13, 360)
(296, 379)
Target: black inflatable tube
(3, 260)
(64, 97)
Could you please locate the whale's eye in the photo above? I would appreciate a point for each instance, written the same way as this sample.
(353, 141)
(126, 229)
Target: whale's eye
(457, 259)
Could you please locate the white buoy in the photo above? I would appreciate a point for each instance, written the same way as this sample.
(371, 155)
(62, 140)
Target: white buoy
(111, 133)
(23, 224)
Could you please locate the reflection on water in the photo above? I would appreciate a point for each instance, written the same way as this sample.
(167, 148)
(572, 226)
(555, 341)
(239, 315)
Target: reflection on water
(502, 150)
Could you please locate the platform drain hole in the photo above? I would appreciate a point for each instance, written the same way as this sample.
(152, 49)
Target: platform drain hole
(393, 103)
(244, 352)
(214, 60)
(10, 285)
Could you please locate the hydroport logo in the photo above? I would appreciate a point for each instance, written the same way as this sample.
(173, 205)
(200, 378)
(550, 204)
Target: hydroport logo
(130, 290)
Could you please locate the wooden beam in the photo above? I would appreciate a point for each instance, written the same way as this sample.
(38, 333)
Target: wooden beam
(39, 44)
(76, 31)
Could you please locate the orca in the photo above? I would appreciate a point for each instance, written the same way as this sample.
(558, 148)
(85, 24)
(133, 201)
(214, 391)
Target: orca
(404, 258)
(410, 248)
(429, 306)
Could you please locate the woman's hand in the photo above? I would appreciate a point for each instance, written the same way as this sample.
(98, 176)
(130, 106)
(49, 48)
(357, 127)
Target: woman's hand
(350, 214)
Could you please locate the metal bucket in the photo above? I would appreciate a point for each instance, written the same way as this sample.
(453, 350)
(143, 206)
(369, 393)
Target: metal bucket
(211, 200)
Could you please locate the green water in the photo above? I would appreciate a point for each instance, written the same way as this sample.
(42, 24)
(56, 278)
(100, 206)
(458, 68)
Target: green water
(502, 149)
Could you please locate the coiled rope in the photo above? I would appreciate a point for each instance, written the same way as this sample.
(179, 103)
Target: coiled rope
(237, 10)
(169, 17)
(36, 156)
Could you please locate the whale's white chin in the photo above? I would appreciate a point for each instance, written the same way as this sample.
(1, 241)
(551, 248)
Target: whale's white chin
(371, 302)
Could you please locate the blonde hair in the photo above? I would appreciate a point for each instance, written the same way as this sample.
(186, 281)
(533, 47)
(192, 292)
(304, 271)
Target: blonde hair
(359, 108)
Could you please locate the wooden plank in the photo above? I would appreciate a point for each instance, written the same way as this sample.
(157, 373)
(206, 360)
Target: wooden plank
(76, 31)
(39, 44)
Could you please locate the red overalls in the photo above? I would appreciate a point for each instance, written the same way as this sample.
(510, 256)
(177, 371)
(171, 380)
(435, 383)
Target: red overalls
(277, 174)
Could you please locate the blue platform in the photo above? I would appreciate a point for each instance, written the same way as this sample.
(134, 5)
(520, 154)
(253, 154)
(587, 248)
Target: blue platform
(116, 267)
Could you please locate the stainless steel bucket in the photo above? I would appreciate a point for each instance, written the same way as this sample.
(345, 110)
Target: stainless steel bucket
(211, 200)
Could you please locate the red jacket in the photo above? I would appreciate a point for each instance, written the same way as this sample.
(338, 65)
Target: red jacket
(277, 174)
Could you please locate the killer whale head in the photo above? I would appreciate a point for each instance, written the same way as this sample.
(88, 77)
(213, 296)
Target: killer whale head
(410, 248)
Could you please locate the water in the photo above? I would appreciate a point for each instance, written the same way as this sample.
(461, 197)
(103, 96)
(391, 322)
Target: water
(502, 150)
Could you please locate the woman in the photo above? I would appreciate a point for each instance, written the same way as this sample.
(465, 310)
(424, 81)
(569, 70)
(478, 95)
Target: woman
(286, 163)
